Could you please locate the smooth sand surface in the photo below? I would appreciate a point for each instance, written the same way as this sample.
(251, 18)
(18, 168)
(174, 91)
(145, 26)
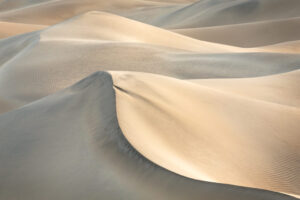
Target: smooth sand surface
(11, 29)
(208, 13)
(69, 146)
(138, 99)
(214, 129)
(266, 33)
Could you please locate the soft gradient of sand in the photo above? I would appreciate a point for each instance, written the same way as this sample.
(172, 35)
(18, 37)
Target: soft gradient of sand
(200, 99)
(11, 29)
(232, 131)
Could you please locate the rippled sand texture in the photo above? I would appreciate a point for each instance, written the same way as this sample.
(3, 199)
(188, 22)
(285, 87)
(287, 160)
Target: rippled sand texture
(138, 99)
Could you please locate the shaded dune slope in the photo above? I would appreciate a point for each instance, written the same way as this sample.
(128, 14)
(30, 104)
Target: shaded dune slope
(195, 91)
(54, 11)
(215, 13)
(257, 33)
(73, 53)
(99, 159)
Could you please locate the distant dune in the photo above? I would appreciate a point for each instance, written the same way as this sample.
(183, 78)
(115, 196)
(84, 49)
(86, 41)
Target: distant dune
(140, 99)
(11, 29)
(266, 32)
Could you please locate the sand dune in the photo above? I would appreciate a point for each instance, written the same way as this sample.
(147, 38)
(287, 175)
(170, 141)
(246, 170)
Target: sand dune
(74, 135)
(208, 13)
(193, 128)
(257, 34)
(148, 99)
(39, 76)
(288, 47)
(11, 29)
(55, 11)
(262, 88)
(116, 28)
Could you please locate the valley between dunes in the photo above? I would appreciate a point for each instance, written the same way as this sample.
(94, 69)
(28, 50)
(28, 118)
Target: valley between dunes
(140, 99)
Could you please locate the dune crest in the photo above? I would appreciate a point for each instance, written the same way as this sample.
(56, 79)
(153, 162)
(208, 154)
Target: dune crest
(266, 33)
(192, 127)
(149, 99)
(75, 136)
(120, 29)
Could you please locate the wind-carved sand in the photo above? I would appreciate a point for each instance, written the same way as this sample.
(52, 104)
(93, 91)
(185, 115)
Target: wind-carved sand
(132, 99)
(213, 130)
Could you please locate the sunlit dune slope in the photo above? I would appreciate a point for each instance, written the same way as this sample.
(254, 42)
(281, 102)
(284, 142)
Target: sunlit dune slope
(213, 134)
(37, 64)
(11, 29)
(287, 47)
(115, 28)
(54, 11)
(149, 99)
(280, 89)
(69, 146)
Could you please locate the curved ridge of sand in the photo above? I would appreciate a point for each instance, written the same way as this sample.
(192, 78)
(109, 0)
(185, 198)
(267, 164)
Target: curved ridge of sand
(215, 13)
(69, 47)
(111, 27)
(257, 33)
(215, 100)
(75, 137)
(50, 12)
(10, 29)
(24, 61)
(208, 133)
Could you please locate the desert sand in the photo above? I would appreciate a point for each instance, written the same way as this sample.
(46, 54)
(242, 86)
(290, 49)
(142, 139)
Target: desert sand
(138, 99)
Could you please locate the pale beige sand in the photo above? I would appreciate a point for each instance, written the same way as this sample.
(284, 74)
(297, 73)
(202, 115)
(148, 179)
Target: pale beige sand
(68, 146)
(287, 47)
(54, 11)
(196, 91)
(280, 89)
(239, 132)
(109, 27)
(11, 29)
